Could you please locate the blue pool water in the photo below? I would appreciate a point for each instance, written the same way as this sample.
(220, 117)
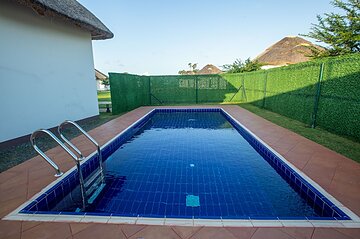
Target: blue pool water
(195, 164)
(198, 153)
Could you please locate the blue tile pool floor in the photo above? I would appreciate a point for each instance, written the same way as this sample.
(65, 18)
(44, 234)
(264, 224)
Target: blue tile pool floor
(195, 164)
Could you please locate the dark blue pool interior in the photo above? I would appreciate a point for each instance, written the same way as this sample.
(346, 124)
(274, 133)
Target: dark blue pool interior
(191, 163)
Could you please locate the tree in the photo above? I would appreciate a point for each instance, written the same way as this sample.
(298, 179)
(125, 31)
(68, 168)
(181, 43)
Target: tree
(193, 69)
(239, 66)
(192, 66)
(341, 32)
(105, 82)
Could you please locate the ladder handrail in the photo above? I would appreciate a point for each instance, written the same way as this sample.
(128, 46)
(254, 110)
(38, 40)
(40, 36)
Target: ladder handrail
(60, 128)
(57, 169)
(44, 156)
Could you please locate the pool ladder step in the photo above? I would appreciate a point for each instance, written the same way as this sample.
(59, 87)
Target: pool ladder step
(97, 192)
(93, 177)
(94, 186)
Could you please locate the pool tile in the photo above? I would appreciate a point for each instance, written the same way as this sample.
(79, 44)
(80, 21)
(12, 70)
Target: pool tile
(208, 222)
(179, 222)
(96, 219)
(150, 221)
(236, 223)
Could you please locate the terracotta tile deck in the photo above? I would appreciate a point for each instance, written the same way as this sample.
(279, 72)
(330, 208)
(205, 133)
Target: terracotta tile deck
(337, 174)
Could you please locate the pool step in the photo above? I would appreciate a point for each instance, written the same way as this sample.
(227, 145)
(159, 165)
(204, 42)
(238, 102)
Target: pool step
(94, 186)
(95, 176)
(96, 193)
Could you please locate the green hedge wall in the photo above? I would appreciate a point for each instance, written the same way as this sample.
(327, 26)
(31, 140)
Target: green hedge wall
(339, 104)
(297, 91)
(128, 91)
(172, 89)
(254, 84)
(291, 90)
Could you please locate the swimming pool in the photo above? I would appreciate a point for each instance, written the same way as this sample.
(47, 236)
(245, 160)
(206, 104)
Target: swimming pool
(191, 163)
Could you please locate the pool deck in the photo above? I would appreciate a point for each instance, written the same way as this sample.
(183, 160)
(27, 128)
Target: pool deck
(337, 174)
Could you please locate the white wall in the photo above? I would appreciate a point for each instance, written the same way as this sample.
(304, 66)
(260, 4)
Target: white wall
(46, 72)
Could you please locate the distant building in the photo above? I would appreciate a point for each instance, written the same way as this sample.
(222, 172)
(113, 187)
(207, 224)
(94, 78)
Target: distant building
(209, 70)
(99, 80)
(46, 64)
(289, 50)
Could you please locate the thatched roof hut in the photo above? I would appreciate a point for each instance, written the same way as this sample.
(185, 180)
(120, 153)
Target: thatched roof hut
(289, 50)
(72, 12)
(209, 69)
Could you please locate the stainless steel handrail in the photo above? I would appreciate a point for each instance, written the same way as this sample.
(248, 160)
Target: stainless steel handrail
(61, 127)
(42, 154)
(57, 169)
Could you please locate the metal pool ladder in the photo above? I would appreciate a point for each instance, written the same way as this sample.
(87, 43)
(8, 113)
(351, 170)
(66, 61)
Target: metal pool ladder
(96, 181)
(54, 165)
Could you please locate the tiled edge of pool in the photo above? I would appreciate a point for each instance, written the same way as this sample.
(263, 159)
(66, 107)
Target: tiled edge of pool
(37, 208)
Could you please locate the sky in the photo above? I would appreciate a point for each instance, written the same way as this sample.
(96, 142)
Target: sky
(158, 37)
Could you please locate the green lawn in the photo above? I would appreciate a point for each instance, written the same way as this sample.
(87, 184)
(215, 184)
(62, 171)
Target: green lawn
(15, 155)
(104, 95)
(345, 146)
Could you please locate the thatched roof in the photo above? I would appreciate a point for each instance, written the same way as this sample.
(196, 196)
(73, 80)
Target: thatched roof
(208, 70)
(99, 75)
(71, 12)
(289, 50)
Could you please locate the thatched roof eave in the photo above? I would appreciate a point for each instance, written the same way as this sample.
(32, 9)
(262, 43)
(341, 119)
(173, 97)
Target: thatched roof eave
(72, 12)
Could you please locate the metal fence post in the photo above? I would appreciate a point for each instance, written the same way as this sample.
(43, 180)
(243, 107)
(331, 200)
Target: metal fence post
(317, 96)
(196, 90)
(149, 90)
(265, 83)
(243, 88)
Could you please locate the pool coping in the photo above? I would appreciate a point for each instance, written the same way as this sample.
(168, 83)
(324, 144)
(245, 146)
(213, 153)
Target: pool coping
(353, 223)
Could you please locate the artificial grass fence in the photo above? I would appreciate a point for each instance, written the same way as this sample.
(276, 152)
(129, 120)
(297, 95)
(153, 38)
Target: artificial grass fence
(339, 144)
(324, 93)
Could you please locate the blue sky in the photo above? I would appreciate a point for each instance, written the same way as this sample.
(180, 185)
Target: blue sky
(163, 36)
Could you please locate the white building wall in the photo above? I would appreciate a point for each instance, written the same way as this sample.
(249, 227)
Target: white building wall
(46, 72)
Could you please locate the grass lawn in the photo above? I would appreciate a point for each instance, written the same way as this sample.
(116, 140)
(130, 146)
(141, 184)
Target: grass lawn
(345, 146)
(104, 95)
(15, 155)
